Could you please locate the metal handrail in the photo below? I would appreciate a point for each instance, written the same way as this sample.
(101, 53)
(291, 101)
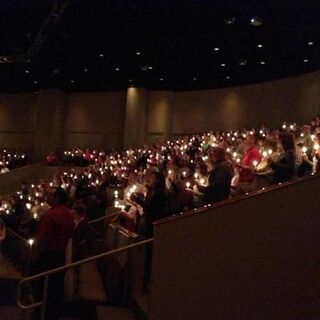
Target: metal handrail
(16, 234)
(111, 215)
(46, 274)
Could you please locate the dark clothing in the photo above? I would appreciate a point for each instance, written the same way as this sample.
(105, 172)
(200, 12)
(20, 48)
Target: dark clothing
(284, 167)
(154, 208)
(219, 183)
(83, 239)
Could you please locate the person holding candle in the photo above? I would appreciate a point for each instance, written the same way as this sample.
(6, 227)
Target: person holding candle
(248, 164)
(53, 233)
(220, 175)
(284, 167)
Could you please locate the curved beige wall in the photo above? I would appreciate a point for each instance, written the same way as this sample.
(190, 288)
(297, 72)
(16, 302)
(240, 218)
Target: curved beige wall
(295, 99)
(138, 116)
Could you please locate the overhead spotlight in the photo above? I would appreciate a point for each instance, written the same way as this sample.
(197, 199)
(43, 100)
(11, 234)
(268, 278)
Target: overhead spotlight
(150, 67)
(216, 49)
(35, 82)
(243, 62)
(101, 55)
(227, 77)
(260, 45)
(161, 79)
(130, 80)
(27, 71)
(117, 69)
(230, 20)
(310, 43)
(222, 64)
(305, 60)
(85, 70)
(72, 81)
(194, 79)
(262, 62)
(138, 53)
(256, 21)
(56, 71)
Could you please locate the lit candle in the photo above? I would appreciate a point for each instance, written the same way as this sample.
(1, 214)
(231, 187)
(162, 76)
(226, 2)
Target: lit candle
(30, 242)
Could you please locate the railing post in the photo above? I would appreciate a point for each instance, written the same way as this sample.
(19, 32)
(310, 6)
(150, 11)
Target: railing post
(45, 297)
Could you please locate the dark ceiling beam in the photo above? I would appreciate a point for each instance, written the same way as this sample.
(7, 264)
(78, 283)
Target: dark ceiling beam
(55, 14)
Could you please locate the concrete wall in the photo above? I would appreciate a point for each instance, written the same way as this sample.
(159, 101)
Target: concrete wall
(296, 99)
(95, 119)
(132, 118)
(17, 120)
(256, 258)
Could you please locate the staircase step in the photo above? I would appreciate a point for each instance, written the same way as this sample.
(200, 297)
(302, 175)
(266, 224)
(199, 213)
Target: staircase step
(112, 313)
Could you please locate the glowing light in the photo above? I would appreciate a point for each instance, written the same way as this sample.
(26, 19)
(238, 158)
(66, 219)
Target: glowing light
(30, 242)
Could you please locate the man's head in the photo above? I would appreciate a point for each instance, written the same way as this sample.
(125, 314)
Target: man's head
(58, 197)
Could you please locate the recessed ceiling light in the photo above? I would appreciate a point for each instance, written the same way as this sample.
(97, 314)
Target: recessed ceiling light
(101, 55)
(305, 60)
(256, 21)
(310, 43)
(35, 82)
(262, 62)
(230, 20)
(161, 79)
(216, 49)
(194, 79)
(260, 45)
(117, 69)
(138, 53)
(72, 81)
(150, 67)
(130, 80)
(227, 77)
(85, 70)
(243, 62)
(27, 71)
(222, 64)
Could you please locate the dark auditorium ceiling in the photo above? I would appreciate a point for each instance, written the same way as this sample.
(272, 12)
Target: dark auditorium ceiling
(165, 44)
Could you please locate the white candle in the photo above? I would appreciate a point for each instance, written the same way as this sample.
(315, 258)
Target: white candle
(30, 242)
